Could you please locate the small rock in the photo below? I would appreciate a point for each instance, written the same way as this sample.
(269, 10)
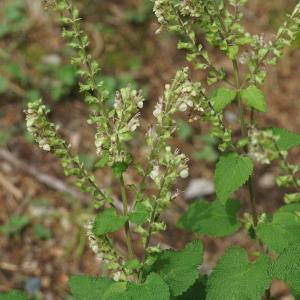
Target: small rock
(52, 59)
(33, 285)
(230, 116)
(199, 188)
(267, 181)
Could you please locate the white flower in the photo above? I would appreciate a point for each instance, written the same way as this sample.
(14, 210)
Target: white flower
(184, 173)
(117, 276)
(140, 104)
(155, 172)
(158, 110)
(183, 107)
(134, 123)
(46, 147)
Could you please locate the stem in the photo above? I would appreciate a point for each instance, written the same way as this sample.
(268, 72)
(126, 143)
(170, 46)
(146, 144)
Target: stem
(268, 294)
(195, 47)
(252, 201)
(244, 134)
(125, 213)
(239, 98)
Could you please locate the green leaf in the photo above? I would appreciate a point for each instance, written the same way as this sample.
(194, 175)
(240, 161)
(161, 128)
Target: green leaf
(154, 288)
(233, 51)
(287, 139)
(116, 291)
(103, 160)
(88, 287)
(215, 219)
(15, 225)
(234, 278)
(140, 214)
(13, 295)
(119, 168)
(133, 264)
(287, 267)
(196, 292)
(232, 172)
(42, 232)
(222, 97)
(179, 269)
(283, 230)
(108, 221)
(255, 98)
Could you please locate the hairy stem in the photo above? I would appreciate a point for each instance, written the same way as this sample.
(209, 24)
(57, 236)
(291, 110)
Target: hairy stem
(125, 213)
(244, 134)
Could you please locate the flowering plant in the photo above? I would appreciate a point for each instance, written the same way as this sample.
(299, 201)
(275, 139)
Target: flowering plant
(167, 274)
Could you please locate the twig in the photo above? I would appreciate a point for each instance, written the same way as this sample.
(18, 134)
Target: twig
(10, 187)
(46, 179)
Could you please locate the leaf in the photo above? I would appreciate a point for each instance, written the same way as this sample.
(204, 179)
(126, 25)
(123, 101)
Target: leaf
(88, 287)
(232, 172)
(119, 168)
(140, 214)
(233, 52)
(196, 292)
(154, 288)
(283, 230)
(15, 225)
(103, 160)
(13, 295)
(108, 221)
(179, 269)
(116, 291)
(255, 98)
(215, 219)
(287, 267)
(287, 139)
(222, 97)
(234, 278)
(42, 232)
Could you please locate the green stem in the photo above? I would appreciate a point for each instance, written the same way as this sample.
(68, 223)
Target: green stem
(244, 135)
(125, 213)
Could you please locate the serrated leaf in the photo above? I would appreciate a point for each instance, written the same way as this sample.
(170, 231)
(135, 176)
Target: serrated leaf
(179, 269)
(196, 292)
(235, 278)
(154, 288)
(287, 267)
(232, 172)
(108, 221)
(255, 98)
(222, 97)
(140, 214)
(215, 219)
(116, 291)
(287, 139)
(283, 230)
(88, 287)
